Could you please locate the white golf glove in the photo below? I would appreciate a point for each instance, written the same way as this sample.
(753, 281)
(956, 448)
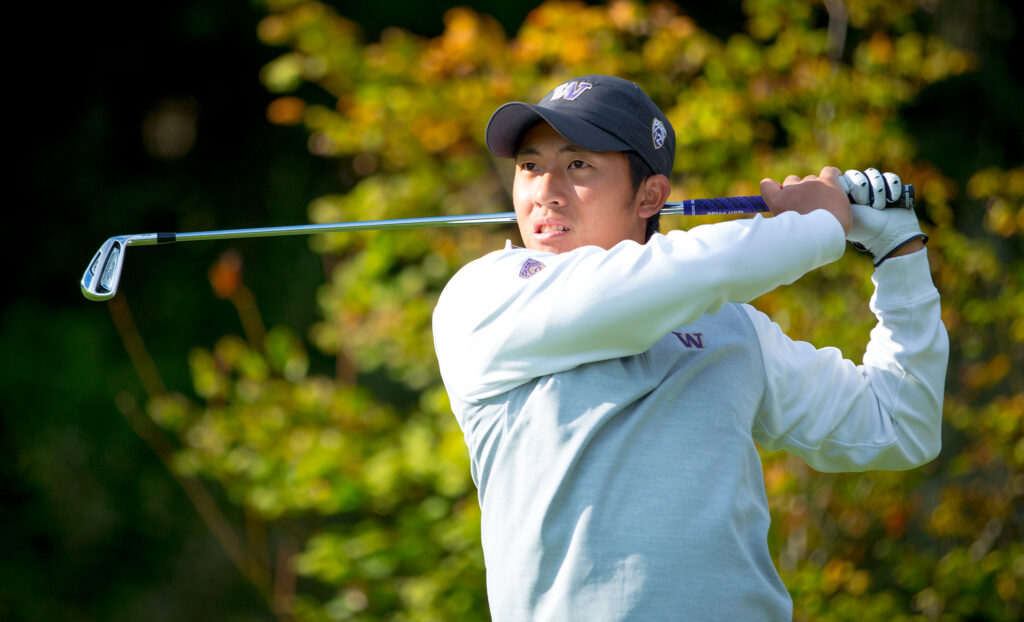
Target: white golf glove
(878, 228)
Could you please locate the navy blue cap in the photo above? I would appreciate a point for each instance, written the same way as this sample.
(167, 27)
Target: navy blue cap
(598, 113)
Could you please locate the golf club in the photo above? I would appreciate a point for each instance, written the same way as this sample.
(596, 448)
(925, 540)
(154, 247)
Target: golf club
(101, 277)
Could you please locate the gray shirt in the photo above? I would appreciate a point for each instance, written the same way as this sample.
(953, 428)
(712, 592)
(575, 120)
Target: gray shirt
(619, 479)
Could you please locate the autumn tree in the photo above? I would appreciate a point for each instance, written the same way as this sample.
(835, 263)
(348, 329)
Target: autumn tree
(356, 486)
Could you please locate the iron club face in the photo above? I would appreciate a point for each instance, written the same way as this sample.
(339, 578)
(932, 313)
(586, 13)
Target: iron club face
(99, 282)
(104, 272)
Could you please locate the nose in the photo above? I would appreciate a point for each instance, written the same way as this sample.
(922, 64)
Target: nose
(549, 190)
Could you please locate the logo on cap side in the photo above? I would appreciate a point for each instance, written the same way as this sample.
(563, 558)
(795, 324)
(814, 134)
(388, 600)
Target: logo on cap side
(658, 133)
(570, 90)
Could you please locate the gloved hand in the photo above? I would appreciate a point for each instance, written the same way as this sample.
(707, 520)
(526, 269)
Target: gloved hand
(878, 228)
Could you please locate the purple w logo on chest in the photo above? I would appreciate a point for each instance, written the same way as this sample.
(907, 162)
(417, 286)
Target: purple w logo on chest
(690, 340)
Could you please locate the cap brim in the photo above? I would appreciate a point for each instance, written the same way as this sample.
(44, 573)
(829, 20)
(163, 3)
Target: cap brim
(509, 122)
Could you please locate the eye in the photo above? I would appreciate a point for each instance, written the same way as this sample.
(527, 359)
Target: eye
(578, 164)
(526, 165)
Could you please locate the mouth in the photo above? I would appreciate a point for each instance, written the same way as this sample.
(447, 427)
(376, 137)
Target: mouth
(552, 228)
(549, 229)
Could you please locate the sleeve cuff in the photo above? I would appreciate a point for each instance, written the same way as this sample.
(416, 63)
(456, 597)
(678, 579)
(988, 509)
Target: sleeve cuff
(834, 237)
(903, 279)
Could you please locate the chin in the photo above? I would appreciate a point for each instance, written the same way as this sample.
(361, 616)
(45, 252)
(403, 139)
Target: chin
(553, 246)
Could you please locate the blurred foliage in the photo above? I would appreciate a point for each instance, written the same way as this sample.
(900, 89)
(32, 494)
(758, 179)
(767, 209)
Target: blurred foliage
(367, 472)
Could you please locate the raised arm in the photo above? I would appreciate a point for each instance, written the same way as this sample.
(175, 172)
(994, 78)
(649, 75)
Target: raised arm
(884, 414)
(517, 314)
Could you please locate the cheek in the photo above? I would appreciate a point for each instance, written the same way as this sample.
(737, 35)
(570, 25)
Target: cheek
(520, 204)
(520, 194)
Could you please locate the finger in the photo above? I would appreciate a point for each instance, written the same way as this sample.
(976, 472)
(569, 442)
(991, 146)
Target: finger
(833, 176)
(791, 179)
(859, 191)
(769, 190)
(830, 172)
(893, 187)
(845, 184)
(877, 196)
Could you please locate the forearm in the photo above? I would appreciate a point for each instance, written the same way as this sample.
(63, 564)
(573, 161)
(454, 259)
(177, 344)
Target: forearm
(907, 356)
(495, 329)
(884, 414)
(624, 300)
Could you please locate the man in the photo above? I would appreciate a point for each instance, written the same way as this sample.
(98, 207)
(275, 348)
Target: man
(611, 389)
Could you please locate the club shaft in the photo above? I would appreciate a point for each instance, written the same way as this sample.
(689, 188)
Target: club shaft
(101, 277)
(364, 225)
(692, 207)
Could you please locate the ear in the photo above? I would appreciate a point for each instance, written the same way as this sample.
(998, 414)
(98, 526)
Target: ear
(652, 194)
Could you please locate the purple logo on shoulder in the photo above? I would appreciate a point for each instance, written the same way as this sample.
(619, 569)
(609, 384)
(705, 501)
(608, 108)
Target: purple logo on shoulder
(530, 267)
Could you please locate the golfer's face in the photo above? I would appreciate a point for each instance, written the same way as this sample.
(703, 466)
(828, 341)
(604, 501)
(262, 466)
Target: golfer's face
(566, 197)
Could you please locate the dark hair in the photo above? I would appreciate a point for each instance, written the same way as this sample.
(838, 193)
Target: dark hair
(639, 170)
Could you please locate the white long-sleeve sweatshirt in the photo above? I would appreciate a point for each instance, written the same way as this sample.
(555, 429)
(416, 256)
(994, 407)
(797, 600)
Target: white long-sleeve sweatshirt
(611, 401)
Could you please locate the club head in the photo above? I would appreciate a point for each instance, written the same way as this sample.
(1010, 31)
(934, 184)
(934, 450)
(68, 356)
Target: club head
(104, 272)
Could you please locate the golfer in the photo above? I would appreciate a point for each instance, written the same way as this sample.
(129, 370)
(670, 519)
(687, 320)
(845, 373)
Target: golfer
(612, 383)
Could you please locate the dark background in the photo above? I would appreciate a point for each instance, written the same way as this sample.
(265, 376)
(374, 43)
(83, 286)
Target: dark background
(93, 527)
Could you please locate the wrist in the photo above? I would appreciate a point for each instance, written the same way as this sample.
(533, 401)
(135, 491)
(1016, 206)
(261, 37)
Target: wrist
(911, 245)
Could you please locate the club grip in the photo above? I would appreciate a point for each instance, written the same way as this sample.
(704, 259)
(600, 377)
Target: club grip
(724, 205)
(752, 205)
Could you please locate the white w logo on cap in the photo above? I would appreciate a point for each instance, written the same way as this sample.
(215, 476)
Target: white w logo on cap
(570, 90)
